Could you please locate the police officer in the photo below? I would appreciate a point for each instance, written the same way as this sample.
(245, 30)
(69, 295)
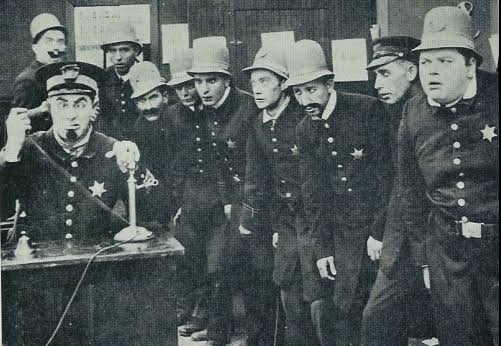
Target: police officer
(228, 112)
(346, 165)
(448, 172)
(188, 126)
(118, 111)
(66, 178)
(154, 132)
(399, 303)
(272, 186)
(49, 46)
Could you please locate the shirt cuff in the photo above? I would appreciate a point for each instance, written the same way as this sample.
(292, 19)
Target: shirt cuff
(9, 155)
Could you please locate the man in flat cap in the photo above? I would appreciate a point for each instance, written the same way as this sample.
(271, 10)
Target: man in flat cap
(399, 303)
(220, 167)
(66, 178)
(346, 167)
(119, 112)
(272, 187)
(448, 176)
(49, 46)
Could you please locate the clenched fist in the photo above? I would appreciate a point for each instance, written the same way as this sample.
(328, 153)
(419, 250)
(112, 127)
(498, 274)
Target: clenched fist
(17, 124)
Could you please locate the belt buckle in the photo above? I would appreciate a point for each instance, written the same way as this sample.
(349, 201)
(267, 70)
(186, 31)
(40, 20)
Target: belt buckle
(471, 229)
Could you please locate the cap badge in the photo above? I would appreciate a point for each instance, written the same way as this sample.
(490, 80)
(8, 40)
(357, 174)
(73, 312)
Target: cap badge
(70, 72)
(436, 25)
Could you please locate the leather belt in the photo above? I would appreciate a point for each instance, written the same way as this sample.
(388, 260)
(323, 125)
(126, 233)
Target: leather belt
(476, 230)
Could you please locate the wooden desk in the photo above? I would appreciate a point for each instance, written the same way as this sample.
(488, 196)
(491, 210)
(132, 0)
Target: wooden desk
(127, 298)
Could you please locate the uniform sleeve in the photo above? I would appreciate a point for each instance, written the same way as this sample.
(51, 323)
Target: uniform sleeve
(413, 204)
(314, 191)
(22, 92)
(257, 185)
(383, 167)
(103, 122)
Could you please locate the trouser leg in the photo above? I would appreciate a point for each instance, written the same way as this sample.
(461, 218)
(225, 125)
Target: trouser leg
(299, 328)
(465, 289)
(322, 316)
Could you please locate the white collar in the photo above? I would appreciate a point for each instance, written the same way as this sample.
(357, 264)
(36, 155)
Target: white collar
(225, 96)
(200, 107)
(331, 105)
(470, 93)
(281, 107)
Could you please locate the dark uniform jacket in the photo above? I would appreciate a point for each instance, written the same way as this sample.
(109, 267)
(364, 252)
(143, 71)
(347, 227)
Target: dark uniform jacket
(62, 195)
(273, 184)
(156, 141)
(448, 164)
(117, 112)
(196, 172)
(28, 93)
(347, 166)
(228, 128)
(395, 241)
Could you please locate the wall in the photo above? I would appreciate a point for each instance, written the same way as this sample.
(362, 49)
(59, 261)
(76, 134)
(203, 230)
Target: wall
(405, 17)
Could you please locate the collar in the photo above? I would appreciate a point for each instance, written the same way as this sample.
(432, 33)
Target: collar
(225, 96)
(78, 148)
(126, 76)
(471, 92)
(36, 64)
(331, 105)
(199, 107)
(281, 107)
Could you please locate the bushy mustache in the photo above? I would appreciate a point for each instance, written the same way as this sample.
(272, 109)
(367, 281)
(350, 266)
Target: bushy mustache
(312, 105)
(56, 53)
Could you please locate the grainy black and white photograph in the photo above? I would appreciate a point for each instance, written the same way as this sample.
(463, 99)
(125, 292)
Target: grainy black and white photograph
(249, 172)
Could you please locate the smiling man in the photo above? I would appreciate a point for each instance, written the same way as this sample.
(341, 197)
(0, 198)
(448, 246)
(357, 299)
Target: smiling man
(119, 113)
(448, 175)
(66, 178)
(346, 165)
(49, 46)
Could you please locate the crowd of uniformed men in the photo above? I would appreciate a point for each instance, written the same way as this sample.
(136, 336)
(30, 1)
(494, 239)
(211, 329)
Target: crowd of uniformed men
(371, 216)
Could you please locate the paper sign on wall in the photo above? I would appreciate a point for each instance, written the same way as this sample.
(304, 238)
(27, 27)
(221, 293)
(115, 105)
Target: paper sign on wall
(285, 39)
(93, 22)
(349, 60)
(174, 37)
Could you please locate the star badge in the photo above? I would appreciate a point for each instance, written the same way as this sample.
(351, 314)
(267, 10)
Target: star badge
(231, 144)
(488, 133)
(357, 154)
(295, 150)
(97, 189)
